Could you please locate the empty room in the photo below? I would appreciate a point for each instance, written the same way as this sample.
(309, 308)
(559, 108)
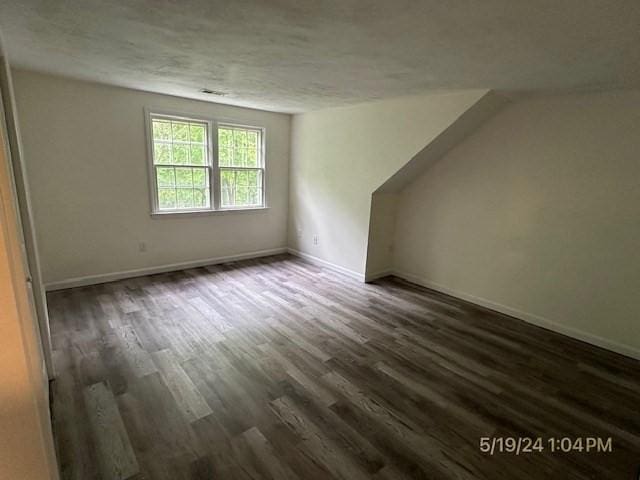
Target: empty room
(336, 240)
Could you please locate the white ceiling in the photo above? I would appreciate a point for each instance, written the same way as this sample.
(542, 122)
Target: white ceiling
(292, 56)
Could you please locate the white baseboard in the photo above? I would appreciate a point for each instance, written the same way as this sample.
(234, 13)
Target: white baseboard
(324, 263)
(113, 276)
(596, 340)
(370, 277)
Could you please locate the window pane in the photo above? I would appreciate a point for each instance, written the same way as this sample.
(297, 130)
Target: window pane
(253, 178)
(201, 197)
(227, 178)
(165, 177)
(180, 131)
(161, 130)
(197, 155)
(241, 188)
(252, 157)
(224, 158)
(252, 149)
(166, 198)
(234, 158)
(239, 139)
(180, 154)
(254, 199)
(252, 139)
(181, 142)
(241, 195)
(185, 197)
(241, 158)
(161, 153)
(184, 177)
(238, 147)
(241, 178)
(200, 177)
(226, 197)
(197, 133)
(225, 137)
(227, 182)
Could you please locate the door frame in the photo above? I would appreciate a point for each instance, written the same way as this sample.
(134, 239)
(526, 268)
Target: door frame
(11, 131)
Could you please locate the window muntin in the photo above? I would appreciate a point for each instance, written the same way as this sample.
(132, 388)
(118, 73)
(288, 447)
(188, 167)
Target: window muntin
(241, 166)
(181, 163)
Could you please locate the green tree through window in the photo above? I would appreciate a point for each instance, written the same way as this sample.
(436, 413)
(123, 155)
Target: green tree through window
(184, 164)
(181, 166)
(241, 166)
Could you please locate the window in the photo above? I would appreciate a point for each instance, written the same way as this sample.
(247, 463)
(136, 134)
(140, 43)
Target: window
(203, 165)
(240, 164)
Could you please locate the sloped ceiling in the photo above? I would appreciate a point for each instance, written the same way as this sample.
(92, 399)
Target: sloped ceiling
(293, 56)
(486, 107)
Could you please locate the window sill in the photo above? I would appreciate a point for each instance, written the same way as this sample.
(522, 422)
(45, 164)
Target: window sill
(205, 213)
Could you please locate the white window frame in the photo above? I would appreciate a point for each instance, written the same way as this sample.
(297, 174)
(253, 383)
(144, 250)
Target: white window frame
(218, 168)
(212, 156)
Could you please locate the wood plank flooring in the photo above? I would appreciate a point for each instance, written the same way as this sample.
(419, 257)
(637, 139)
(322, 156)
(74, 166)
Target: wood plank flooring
(278, 369)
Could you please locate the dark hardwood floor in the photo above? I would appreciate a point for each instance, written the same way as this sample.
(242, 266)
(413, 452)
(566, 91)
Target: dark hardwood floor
(277, 369)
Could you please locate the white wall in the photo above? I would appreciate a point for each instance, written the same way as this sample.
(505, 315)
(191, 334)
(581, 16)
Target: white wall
(84, 145)
(340, 156)
(382, 229)
(537, 214)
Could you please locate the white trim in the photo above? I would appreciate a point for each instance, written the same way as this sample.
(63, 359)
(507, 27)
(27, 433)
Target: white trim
(200, 213)
(214, 179)
(554, 326)
(150, 114)
(113, 276)
(212, 165)
(263, 161)
(324, 263)
(370, 277)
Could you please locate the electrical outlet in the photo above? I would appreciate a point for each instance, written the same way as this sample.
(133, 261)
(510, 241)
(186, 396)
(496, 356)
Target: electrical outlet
(316, 239)
(299, 233)
(142, 246)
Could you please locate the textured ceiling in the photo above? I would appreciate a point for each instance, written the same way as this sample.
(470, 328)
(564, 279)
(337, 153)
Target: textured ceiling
(292, 56)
